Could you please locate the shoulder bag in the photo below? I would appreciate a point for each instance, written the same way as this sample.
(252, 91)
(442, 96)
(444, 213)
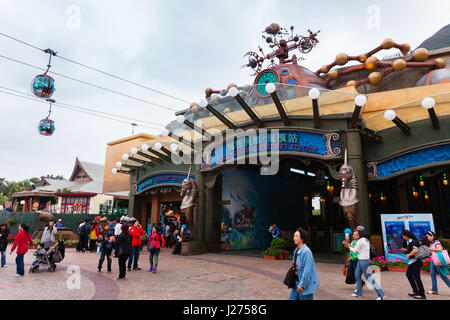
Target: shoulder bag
(292, 274)
(424, 252)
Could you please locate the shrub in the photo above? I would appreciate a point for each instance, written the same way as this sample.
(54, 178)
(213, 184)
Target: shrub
(274, 252)
(278, 243)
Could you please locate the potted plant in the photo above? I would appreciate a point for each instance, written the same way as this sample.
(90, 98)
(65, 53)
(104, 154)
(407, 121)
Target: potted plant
(11, 238)
(12, 221)
(381, 262)
(270, 254)
(283, 254)
(397, 265)
(425, 265)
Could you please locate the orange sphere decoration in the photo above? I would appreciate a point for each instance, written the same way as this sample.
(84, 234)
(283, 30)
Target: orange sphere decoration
(106, 228)
(208, 91)
(333, 74)
(351, 83)
(399, 65)
(324, 69)
(406, 48)
(371, 63)
(362, 58)
(440, 63)
(387, 43)
(375, 78)
(231, 85)
(341, 59)
(421, 54)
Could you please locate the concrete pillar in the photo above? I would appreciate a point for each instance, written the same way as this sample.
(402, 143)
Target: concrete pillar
(213, 216)
(356, 160)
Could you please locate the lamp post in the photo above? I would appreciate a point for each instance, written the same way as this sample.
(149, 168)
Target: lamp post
(391, 115)
(314, 94)
(429, 103)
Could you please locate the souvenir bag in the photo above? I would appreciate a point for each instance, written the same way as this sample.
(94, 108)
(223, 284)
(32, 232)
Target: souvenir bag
(437, 257)
(292, 274)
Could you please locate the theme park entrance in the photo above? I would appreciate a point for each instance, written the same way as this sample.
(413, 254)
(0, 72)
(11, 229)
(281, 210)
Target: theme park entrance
(302, 194)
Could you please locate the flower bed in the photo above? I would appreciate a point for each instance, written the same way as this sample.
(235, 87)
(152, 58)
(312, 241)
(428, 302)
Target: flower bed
(398, 265)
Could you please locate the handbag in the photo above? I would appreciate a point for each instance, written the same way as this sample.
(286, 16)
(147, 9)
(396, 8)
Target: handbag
(423, 252)
(292, 274)
(151, 246)
(435, 258)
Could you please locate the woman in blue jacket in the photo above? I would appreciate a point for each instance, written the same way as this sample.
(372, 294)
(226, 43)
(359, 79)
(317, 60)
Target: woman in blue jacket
(308, 281)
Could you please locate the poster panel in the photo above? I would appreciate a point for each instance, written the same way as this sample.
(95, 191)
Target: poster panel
(392, 226)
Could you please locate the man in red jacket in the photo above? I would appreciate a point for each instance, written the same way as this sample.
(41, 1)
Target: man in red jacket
(21, 243)
(136, 231)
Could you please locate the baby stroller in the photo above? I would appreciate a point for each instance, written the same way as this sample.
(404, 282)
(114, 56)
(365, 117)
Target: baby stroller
(53, 255)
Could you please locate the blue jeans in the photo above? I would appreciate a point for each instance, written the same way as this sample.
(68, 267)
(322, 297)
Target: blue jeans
(20, 265)
(433, 271)
(3, 258)
(296, 296)
(154, 254)
(362, 268)
(134, 254)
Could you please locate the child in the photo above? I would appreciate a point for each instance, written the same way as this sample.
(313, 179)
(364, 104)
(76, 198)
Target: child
(178, 241)
(39, 253)
(106, 250)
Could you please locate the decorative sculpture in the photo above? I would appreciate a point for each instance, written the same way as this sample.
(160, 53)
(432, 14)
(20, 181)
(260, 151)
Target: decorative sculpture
(189, 192)
(349, 193)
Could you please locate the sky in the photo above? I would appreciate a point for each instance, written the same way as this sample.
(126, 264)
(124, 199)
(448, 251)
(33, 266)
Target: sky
(176, 47)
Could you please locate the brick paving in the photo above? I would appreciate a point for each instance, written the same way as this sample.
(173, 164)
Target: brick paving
(210, 276)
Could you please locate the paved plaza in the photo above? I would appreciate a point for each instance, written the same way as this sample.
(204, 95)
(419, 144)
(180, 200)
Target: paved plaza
(210, 276)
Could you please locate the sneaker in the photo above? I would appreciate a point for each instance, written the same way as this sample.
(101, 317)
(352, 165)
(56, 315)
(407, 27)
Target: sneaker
(381, 298)
(432, 292)
(129, 269)
(154, 270)
(354, 295)
(4, 266)
(117, 278)
(109, 270)
(137, 268)
(150, 270)
(412, 294)
(18, 275)
(420, 297)
(99, 270)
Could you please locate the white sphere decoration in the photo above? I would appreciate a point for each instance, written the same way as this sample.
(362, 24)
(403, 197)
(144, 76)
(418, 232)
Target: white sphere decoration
(314, 93)
(119, 164)
(181, 119)
(174, 147)
(22, 202)
(203, 103)
(158, 145)
(233, 91)
(360, 100)
(271, 88)
(125, 156)
(428, 103)
(164, 132)
(114, 170)
(134, 150)
(144, 147)
(390, 115)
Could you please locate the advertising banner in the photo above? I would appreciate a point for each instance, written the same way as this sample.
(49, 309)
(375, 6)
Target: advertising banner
(392, 226)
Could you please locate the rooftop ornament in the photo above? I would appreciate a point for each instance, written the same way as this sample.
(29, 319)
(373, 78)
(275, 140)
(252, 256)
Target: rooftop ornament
(281, 41)
(371, 63)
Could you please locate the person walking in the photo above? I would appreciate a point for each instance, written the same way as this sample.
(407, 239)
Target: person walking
(93, 236)
(362, 248)
(308, 281)
(87, 231)
(23, 238)
(436, 246)
(4, 233)
(136, 232)
(167, 235)
(178, 242)
(80, 245)
(48, 236)
(123, 249)
(414, 265)
(106, 251)
(353, 262)
(155, 243)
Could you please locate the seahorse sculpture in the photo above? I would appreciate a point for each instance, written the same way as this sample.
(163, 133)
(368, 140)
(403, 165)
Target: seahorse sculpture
(349, 193)
(190, 192)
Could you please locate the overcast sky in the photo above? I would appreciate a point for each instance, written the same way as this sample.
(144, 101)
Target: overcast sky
(178, 47)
